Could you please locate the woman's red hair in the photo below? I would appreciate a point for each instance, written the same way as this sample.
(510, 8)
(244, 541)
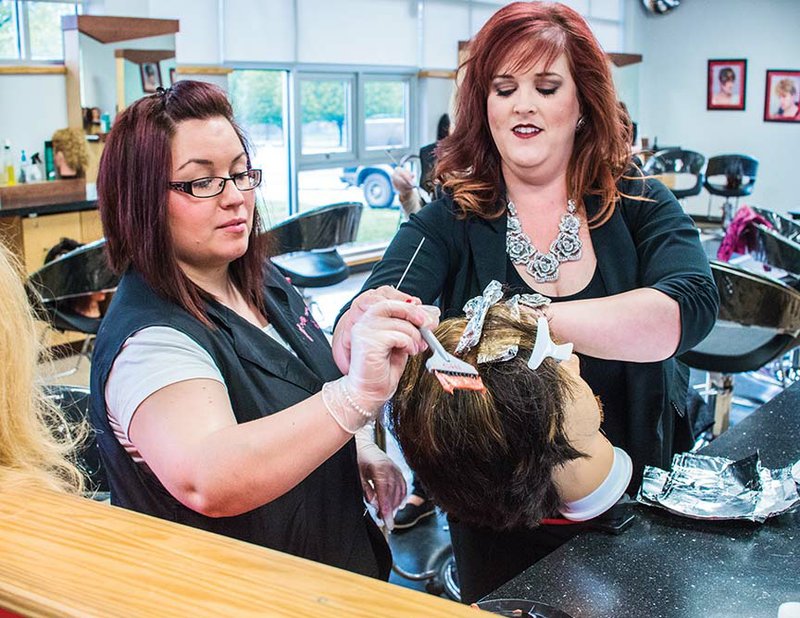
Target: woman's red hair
(523, 33)
(133, 188)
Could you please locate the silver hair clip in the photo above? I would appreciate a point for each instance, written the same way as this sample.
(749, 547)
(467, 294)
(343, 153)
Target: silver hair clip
(534, 301)
(476, 310)
(544, 347)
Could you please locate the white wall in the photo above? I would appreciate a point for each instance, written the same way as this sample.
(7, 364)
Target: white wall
(672, 86)
(32, 107)
(391, 33)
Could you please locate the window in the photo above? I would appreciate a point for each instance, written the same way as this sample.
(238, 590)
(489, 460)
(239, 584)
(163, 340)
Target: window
(322, 138)
(32, 30)
(259, 99)
(386, 114)
(9, 40)
(325, 116)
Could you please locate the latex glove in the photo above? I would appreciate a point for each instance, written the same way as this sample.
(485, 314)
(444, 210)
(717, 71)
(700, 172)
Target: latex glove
(381, 479)
(381, 342)
(403, 180)
(342, 335)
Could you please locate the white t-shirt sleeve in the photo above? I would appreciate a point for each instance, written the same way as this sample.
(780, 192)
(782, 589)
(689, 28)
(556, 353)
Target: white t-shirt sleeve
(149, 360)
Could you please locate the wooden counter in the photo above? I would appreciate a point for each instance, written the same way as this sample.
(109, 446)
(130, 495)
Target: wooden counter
(69, 556)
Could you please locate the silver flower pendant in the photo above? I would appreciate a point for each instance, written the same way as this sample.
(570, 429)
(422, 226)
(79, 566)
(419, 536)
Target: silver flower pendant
(543, 267)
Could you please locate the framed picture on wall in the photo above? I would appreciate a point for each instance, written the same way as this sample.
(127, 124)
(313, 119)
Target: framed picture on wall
(782, 99)
(726, 84)
(151, 76)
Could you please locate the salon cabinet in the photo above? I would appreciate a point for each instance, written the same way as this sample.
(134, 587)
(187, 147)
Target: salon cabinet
(30, 227)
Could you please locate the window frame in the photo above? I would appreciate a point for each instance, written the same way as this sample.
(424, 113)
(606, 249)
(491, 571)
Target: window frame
(379, 155)
(357, 154)
(322, 160)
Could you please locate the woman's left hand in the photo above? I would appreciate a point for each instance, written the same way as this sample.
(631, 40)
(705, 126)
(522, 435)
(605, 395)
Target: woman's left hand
(381, 479)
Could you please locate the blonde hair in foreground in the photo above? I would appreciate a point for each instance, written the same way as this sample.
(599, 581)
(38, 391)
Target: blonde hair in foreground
(30, 455)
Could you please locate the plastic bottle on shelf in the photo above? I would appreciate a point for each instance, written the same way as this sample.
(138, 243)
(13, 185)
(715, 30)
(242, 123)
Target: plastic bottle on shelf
(35, 173)
(23, 168)
(49, 164)
(9, 176)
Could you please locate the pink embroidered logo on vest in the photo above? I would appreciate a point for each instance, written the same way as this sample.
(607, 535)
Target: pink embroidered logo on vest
(306, 318)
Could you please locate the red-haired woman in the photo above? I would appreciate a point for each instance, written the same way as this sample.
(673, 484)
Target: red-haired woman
(541, 194)
(214, 394)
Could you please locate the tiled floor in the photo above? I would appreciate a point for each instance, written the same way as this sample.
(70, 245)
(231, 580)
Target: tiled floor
(422, 548)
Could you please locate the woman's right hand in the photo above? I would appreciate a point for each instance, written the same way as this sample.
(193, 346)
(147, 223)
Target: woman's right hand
(380, 344)
(403, 181)
(342, 335)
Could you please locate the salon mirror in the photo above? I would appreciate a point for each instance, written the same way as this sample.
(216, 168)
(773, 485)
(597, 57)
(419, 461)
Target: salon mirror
(111, 62)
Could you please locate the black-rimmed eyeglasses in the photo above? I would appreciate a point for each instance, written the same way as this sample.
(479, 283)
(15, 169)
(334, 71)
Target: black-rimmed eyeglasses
(211, 186)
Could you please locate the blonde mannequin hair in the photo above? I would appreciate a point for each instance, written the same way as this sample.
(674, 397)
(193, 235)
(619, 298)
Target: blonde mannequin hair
(72, 144)
(30, 454)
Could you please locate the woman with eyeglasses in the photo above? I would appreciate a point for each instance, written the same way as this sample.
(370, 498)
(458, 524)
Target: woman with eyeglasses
(214, 393)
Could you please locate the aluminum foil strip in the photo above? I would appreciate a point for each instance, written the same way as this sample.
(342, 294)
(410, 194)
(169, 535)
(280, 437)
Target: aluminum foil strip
(476, 310)
(717, 488)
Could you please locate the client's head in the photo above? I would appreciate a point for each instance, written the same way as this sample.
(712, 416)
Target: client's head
(515, 453)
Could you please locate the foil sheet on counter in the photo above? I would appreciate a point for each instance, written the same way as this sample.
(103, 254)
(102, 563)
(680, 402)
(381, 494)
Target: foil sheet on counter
(703, 487)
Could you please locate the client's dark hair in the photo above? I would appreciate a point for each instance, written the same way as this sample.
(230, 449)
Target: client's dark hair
(488, 457)
(64, 246)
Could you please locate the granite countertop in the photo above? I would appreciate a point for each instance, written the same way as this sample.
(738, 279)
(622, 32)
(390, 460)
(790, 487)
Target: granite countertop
(672, 567)
(47, 209)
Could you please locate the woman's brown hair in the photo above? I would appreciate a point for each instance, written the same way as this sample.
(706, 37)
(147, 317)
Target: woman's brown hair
(487, 458)
(523, 33)
(133, 189)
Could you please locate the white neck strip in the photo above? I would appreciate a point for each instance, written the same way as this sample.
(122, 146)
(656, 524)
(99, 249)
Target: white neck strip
(606, 495)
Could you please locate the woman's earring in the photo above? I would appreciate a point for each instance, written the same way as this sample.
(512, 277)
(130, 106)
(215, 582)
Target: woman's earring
(581, 122)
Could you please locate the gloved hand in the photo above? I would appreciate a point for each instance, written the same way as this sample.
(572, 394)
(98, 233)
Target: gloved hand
(381, 342)
(381, 479)
(342, 336)
(403, 180)
(405, 183)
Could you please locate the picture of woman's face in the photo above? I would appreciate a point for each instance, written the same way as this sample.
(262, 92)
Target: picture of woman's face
(727, 87)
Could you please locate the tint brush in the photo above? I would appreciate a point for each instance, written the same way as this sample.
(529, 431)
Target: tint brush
(452, 373)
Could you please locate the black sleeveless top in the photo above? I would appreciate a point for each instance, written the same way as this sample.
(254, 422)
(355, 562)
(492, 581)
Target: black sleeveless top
(606, 377)
(323, 517)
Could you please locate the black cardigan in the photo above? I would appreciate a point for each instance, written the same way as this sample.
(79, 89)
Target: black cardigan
(645, 243)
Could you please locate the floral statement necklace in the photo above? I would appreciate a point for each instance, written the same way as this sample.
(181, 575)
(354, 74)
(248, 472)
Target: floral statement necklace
(543, 267)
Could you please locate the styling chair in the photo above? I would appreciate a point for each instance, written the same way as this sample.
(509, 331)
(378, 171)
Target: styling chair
(730, 176)
(777, 251)
(758, 322)
(681, 170)
(57, 289)
(783, 225)
(305, 244)
(74, 404)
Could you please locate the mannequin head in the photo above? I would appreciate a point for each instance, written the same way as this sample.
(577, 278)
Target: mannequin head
(510, 456)
(69, 153)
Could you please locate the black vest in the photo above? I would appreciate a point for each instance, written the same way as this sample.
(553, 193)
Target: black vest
(322, 518)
